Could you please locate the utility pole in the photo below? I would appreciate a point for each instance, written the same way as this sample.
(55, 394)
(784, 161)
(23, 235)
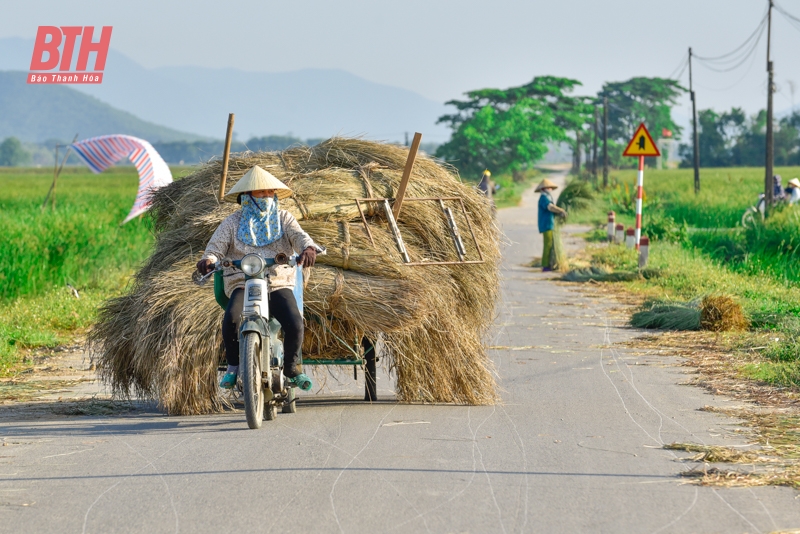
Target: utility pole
(406, 138)
(768, 186)
(605, 142)
(594, 147)
(694, 130)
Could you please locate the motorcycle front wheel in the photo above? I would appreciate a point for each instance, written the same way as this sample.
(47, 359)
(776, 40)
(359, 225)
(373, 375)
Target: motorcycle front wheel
(253, 389)
(751, 217)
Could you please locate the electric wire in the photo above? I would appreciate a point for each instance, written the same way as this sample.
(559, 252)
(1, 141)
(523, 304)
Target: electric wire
(793, 21)
(681, 67)
(734, 84)
(722, 58)
(786, 13)
(740, 59)
(680, 74)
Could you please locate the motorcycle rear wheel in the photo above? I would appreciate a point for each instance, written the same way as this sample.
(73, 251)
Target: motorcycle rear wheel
(291, 403)
(253, 386)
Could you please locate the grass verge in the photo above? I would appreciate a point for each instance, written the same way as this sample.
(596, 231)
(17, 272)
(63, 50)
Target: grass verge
(49, 252)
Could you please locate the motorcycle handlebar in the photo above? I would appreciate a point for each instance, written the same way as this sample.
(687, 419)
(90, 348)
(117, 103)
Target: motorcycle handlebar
(280, 259)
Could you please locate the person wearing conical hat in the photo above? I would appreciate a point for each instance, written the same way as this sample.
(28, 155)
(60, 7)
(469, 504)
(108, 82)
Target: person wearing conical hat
(547, 212)
(262, 228)
(793, 191)
(487, 186)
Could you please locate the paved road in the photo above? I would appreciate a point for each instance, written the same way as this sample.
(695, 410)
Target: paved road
(575, 447)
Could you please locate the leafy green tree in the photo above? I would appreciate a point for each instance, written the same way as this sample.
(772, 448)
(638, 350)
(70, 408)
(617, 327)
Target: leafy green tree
(12, 154)
(501, 140)
(507, 129)
(750, 145)
(787, 140)
(647, 100)
(717, 134)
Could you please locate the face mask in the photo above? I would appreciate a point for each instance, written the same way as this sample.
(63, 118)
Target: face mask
(260, 223)
(264, 205)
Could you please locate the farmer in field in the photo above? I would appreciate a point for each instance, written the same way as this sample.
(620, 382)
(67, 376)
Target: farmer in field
(547, 212)
(777, 188)
(487, 186)
(260, 227)
(793, 191)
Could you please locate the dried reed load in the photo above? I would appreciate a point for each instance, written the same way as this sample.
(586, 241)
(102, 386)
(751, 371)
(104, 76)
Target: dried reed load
(162, 340)
(721, 313)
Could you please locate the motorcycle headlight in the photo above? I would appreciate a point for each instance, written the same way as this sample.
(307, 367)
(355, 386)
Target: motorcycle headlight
(252, 264)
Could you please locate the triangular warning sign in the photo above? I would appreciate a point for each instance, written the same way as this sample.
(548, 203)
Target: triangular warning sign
(641, 144)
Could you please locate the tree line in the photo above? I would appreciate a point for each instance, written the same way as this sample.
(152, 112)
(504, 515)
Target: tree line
(14, 153)
(508, 130)
(734, 139)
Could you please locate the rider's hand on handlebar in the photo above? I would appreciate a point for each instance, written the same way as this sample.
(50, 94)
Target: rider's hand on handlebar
(205, 266)
(308, 257)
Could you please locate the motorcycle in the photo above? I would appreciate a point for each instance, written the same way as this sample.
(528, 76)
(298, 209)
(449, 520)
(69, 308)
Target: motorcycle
(261, 379)
(754, 214)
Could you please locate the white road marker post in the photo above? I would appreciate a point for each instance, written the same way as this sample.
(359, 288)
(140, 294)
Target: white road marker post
(610, 231)
(644, 251)
(619, 234)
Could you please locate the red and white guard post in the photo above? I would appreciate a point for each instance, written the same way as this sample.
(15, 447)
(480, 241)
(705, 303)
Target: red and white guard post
(640, 146)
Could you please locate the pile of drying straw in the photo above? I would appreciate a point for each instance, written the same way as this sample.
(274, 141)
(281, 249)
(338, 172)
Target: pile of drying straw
(162, 339)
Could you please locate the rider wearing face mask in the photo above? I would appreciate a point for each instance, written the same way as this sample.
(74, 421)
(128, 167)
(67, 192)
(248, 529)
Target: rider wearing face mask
(260, 227)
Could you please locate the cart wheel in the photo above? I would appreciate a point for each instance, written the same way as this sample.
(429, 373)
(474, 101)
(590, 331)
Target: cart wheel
(370, 385)
(291, 405)
(270, 411)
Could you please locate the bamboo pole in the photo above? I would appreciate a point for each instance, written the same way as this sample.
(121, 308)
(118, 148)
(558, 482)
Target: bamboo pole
(225, 156)
(401, 191)
(55, 177)
(57, 173)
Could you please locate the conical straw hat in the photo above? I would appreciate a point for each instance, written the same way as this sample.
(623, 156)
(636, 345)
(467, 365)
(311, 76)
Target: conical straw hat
(794, 182)
(256, 179)
(545, 183)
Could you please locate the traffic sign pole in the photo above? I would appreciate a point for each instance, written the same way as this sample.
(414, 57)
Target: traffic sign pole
(640, 146)
(639, 193)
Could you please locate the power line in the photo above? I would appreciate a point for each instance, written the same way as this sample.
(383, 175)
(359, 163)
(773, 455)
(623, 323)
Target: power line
(722, 59)
(741, 57)
(685, 65)
(681, 67)
(786, 13)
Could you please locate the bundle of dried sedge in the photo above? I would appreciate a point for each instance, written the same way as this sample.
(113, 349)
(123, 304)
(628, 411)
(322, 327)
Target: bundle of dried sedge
(721, 313)
(162, 339)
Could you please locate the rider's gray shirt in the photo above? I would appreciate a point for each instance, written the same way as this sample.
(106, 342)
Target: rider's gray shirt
(225, 244)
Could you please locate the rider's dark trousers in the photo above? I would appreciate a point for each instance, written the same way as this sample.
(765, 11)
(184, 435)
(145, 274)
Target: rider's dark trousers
(283, 307)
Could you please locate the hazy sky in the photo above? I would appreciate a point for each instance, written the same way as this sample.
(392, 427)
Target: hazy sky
(441, 48)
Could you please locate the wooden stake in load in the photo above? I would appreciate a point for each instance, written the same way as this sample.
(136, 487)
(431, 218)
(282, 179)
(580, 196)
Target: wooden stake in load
(401, 190)
(451, 222)
(401, 246)
(226, 154)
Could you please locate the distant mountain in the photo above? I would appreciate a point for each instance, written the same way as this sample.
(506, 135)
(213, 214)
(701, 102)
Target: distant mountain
(40, 112)
(308, 103)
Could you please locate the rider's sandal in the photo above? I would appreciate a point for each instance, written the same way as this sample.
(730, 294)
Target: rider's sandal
(228, 381)
(302, 381)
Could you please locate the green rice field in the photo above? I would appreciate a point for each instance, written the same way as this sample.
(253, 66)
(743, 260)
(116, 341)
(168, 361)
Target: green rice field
(80, 243)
